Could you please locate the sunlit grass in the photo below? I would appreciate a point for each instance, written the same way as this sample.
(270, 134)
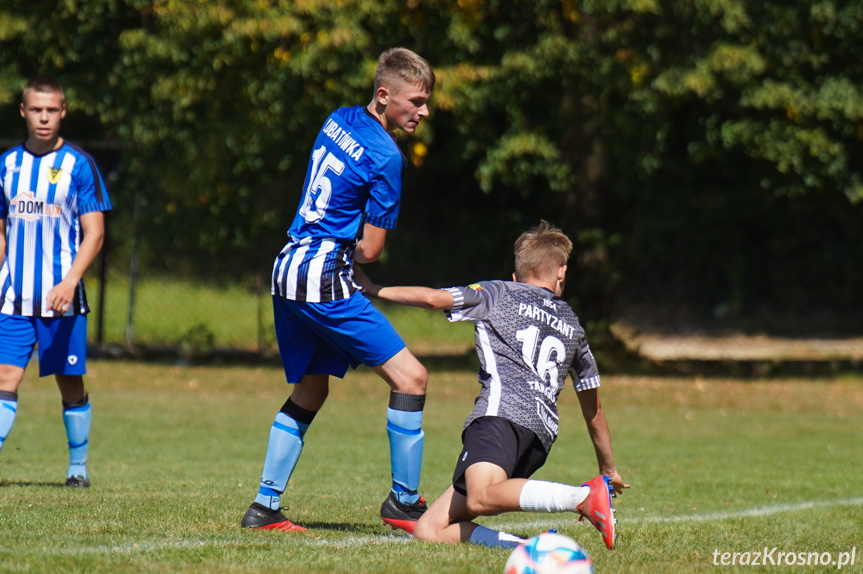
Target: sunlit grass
(176, 454)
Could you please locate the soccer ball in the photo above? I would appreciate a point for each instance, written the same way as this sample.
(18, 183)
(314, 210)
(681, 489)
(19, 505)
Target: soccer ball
(549, 553)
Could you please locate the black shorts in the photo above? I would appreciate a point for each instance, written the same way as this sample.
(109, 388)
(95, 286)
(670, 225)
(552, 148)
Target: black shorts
(499, 441)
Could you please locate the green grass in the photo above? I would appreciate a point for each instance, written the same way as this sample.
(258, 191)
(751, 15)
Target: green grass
(169, 311)
(199, 316)
(176, 455)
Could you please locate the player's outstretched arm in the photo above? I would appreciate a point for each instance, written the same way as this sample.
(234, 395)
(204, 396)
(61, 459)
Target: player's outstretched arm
(597, 427)
(425, 297)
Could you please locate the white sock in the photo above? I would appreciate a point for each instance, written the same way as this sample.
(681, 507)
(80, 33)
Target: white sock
(487, 537)
(543, 496)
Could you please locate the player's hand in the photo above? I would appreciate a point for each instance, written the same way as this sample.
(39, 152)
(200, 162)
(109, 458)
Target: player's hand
(361, 279)
(617, 483)
(60, 296)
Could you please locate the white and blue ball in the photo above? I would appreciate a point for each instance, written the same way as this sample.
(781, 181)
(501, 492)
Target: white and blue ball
(549, 553)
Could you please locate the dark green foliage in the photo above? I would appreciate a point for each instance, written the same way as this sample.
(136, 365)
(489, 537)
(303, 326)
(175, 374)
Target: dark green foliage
(700, 153)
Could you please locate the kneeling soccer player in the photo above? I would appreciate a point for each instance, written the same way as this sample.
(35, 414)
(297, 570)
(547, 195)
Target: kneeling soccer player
(528, 339)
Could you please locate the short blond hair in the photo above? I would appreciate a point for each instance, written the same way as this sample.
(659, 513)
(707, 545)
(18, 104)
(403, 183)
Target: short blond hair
(43, 85)
(540, 252)
(406, 66)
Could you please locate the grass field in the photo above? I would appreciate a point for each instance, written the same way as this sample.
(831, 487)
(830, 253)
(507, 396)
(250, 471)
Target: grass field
(195, 316)
(176, 455)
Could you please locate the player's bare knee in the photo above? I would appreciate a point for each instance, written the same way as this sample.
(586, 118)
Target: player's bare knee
(310, 397)
(424, 531)
(420, 380)
(413, 382)
(10, 377)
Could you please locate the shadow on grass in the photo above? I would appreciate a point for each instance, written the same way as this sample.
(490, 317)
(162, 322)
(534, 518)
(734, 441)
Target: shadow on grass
(613, 359)
(239, 357)
(354, 528)
(5, 483)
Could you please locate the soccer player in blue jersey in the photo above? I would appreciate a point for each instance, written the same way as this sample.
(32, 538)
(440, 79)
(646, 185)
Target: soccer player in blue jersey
(324, 324)
(528, 340)
(52, 200)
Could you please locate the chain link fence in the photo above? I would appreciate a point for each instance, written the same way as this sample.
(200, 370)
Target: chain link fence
(157, 313)
(144, 313)
(141, 312)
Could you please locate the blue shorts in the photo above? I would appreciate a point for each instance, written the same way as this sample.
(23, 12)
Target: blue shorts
(327, 338)
(62, 343)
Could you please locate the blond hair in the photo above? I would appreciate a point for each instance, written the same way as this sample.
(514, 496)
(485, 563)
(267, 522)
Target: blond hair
(43, 85)
(540, 252)
(401, 64)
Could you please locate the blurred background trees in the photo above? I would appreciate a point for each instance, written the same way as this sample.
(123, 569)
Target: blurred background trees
(704, 155)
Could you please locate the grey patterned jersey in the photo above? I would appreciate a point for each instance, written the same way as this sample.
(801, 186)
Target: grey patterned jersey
(528, 340)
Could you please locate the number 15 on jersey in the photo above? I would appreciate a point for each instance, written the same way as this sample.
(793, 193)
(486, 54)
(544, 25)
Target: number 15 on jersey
(320, 188)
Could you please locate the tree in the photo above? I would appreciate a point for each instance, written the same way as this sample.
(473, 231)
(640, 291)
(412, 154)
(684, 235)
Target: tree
(698, 152)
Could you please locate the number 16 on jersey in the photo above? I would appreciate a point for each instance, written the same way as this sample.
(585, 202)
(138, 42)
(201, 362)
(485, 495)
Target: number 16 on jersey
(552, 354)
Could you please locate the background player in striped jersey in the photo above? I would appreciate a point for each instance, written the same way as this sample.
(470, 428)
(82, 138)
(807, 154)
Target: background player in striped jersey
(528, 339)
(323, 323)
(52, 200)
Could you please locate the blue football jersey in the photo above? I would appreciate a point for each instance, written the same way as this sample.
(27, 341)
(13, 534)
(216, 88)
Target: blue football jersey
(41, 199)
(354, 177)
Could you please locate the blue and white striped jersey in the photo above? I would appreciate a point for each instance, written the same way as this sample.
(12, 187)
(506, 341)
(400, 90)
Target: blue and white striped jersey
(41, 199)
(354, 177)
(528, 340)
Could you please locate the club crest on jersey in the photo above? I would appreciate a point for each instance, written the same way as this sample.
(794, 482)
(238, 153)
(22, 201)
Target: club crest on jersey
(54, 174)
(475, 287)
(26, 206)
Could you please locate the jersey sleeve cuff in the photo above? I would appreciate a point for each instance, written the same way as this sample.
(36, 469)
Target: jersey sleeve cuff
(454, 313)
(100, 206)
(380, 221)
(585, 384)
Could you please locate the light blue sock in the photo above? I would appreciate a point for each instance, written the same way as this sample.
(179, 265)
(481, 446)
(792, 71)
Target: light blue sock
(8, 408)
(483, 536)
(76, 417)
(404, 429)
(283, 452)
